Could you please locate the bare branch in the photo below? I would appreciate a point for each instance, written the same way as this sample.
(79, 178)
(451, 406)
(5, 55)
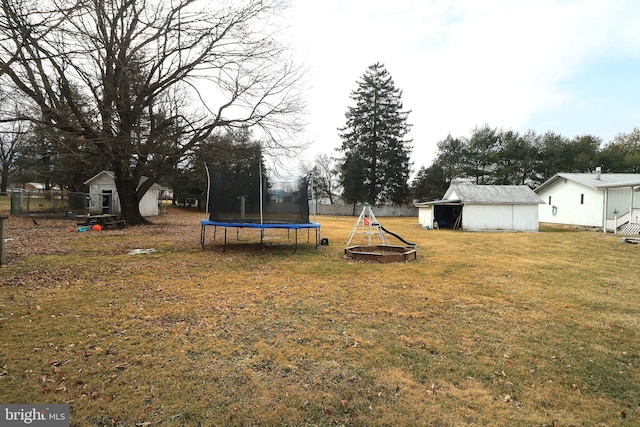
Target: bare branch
(141, 79)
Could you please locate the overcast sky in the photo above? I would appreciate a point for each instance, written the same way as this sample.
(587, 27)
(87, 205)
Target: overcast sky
(572, 66)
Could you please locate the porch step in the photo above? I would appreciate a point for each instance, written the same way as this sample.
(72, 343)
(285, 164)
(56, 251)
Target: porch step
(629, 229)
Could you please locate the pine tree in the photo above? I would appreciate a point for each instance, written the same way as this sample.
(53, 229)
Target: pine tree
(430, 183)
(375, 166)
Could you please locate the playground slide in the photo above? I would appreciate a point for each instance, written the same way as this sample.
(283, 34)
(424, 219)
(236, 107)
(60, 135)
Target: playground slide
(396, 236)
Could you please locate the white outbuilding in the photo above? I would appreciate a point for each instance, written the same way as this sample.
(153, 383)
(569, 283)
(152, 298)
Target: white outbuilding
(104, 196)
(483, 208)
(610, 201)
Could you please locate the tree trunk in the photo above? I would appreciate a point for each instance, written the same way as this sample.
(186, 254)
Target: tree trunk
(5, 179)
(129, 202)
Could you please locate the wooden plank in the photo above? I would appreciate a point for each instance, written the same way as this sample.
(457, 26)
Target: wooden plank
(634, 240)
(118, 223)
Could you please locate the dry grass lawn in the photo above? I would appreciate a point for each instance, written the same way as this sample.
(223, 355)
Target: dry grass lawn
(513, 329)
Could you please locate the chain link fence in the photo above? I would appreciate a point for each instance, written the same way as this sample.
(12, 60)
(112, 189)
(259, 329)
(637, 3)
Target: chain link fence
(49, 202)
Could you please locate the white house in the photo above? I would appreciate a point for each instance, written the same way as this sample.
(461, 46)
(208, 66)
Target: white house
(607, 200)
(104, 196)
(483, 208)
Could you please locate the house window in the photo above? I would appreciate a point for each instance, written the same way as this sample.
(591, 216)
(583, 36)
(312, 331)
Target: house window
(582, 199)
(549, 199)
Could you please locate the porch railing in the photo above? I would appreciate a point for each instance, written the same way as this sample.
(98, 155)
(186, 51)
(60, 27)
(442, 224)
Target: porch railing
(632, 218)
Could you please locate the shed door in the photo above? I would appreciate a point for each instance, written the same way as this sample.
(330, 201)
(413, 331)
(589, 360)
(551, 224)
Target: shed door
(448, 216)
(107, 197)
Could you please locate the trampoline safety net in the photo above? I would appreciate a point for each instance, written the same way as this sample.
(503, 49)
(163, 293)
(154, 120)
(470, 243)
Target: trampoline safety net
(250, 198)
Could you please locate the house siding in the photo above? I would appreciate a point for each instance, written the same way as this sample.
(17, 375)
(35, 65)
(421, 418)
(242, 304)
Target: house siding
(500, 217)
(565, 197)
(619, 202)
(104, 182)
(149, 204)
(425, 216)
(99, 185)
(525, 218)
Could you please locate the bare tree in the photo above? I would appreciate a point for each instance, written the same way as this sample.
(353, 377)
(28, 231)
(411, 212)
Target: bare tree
(13, 136)
(325, 177)
(146, 81)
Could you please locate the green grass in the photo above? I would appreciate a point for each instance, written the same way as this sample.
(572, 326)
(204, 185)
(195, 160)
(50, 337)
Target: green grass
(525, 329)
(5, 204)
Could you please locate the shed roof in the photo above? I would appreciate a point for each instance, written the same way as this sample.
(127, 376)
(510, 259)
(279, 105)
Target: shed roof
(439, 202)
(488, 195)
(595, 180)
(493, 194)
(112, 175)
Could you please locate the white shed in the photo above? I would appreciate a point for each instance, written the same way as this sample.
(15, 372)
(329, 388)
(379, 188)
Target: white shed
(483, 208)
(104, 196)
(607, 200)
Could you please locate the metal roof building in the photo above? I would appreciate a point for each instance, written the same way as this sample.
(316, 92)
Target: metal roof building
(483, 208)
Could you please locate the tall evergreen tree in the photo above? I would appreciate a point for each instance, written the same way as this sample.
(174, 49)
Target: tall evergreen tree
(452, 157)
(430, 183)
(516, 158)
(622, 155)
(375, 166)
(554, 156)
(481, 154)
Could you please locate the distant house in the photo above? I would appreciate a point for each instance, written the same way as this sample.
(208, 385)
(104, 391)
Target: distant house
(33, 186)
(104, 196)
(609, 201)
(483, 208)
(38, 187)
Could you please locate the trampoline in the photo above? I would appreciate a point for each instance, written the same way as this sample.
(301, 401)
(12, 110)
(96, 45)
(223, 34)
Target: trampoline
(242, 196)
(262, 227)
